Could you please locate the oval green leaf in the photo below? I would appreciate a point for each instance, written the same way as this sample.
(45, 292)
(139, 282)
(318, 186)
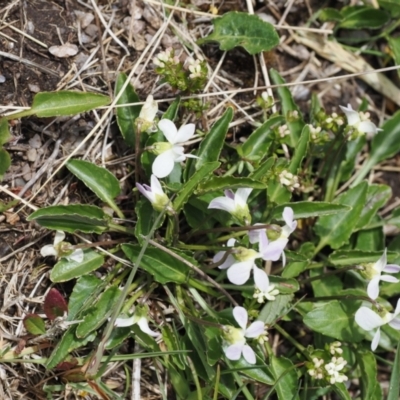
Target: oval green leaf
(260, 140)
(309, 209)
(55, 104)
(360, 17)
(98, 179)
(335, 230)
(245, 30)
(211, 146)
(99, 313)
(164, 267)
(34, 324)
(336, 319)
(84, 288)
(75, 217)
(286, 382)
(65, 270)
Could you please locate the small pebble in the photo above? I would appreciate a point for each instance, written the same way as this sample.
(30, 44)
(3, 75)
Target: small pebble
(2, 78)
(31, 155)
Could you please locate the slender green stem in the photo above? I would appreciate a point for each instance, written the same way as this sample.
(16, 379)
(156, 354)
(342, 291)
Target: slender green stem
(295, 343)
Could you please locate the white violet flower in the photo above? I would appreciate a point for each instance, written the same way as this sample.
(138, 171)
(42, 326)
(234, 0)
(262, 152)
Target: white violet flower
(155, 194)
(373, 272)
(369, 320)
(61, 249)
(239, 266)
(145, 121)
(235, 338)
(235, 204)
(140, 318)
(360, 121)
(172, 151)
(273, 250)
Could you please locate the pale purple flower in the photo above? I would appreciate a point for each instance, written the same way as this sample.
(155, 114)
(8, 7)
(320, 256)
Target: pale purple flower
(240, 264)
(235, 338)
(370, 320)
(172, 151)
(374, 273)
(155, 194)
(274, 250)
(234, 203)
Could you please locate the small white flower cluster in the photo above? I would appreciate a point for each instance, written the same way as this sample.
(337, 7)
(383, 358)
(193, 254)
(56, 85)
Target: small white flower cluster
(195, 69)
(317, 371)
(283, 131)
(289, 180)
(269, 294)
(335, 348)
(165, 57)
(334, 368)
(331, 371)
(334, 118)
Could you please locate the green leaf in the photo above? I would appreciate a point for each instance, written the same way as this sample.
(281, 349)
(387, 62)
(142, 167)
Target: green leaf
(384, 145)
(341, 390)
(190, 186)
(370, 387)
(259, 372)
(65, 270)
(393, 6)
(289, 107)
(126, 116)
(342, 258)
(395, 377)
(172, 110)
(75, 217)
(260, 140)
(351, 151)
(377, 197)
(261, 172)
(242, 29)
(83, 290)
(98, 179)
(164, 267)
(34, 324)
(335, 230)
(335, 319)
(275, 309)
(360, 17)
(146, 217)
(330, 14)
(285, 285)
(227, 182)
(394, 43)
(68, 343)
(4, 131)
(211, 146)
(309, 209)
(5, 162)
(55, 104)
(300, 151)
(96, 315)
(286, 378)
(370, 239)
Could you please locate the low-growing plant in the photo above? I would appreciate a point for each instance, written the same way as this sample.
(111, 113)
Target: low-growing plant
(236, 244)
